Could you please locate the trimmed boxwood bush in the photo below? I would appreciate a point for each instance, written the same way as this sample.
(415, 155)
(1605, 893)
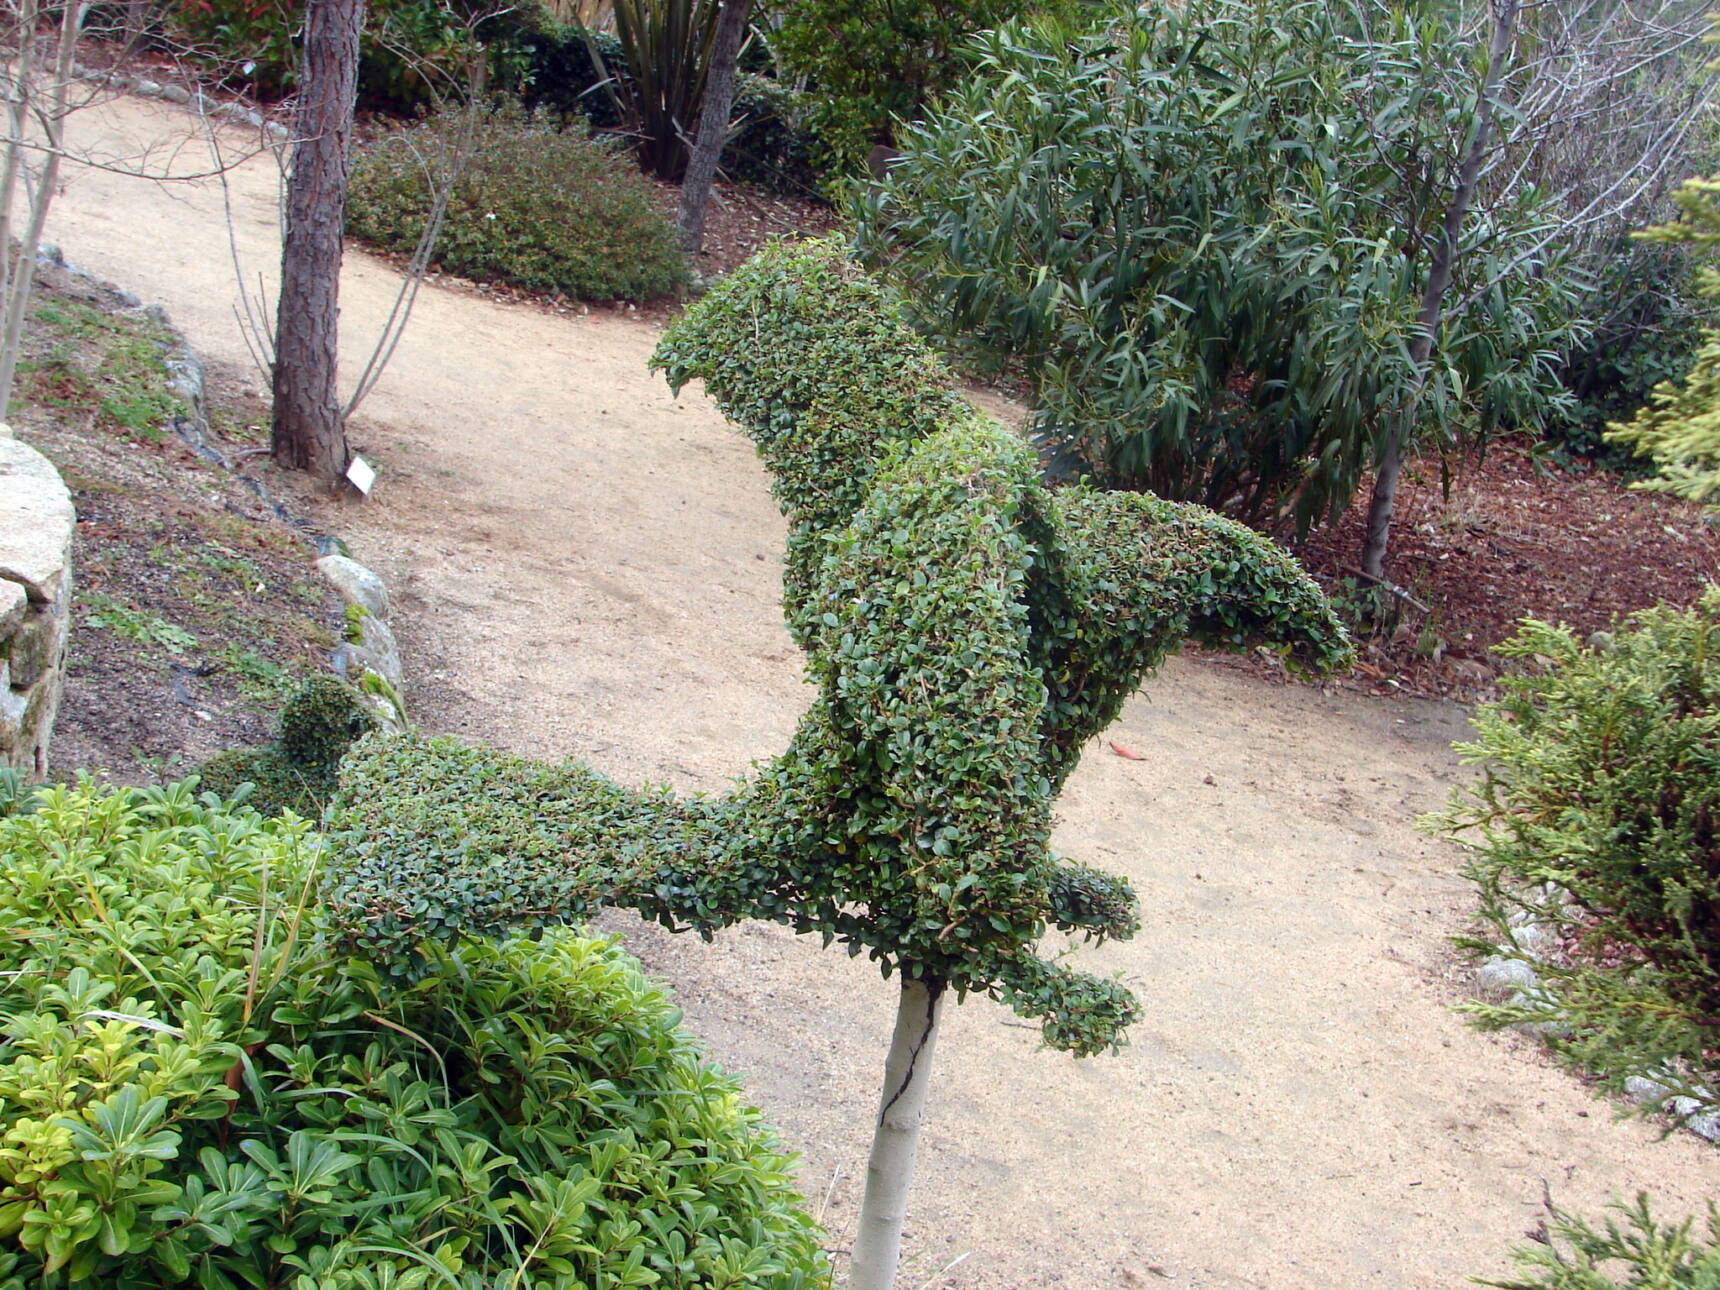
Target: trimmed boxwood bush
(1596, 823)
(535, 206)
(196, 1089)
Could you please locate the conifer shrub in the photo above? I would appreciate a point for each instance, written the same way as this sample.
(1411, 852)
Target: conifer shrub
(1596, 835)
(1629, 1252)
(197, 1089)
(297, 771)
(537, 206)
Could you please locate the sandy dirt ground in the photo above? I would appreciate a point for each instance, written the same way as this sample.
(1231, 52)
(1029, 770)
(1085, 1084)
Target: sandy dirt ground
(585, 567)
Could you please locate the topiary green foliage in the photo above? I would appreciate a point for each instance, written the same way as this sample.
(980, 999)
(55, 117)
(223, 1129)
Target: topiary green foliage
(196, 1089)
(969, 632)
(296, 772)
(1597, 822)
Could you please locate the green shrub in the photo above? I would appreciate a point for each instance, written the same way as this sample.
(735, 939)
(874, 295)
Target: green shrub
(567, 68)
(1147, 222)
(297, 772)
(195, 1090)
(873, 63)
(1648, 321)
(1677, 428)
(1597, 823)
(1637, 1254)
(542, 208)
(769, 147)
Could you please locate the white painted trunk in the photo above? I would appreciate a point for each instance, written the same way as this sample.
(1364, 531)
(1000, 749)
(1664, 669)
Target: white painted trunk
(890, 1171)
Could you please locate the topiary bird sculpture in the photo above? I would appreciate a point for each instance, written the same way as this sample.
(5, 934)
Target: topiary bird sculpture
(969, 631)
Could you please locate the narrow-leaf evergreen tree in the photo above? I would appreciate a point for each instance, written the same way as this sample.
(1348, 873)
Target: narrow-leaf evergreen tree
(969, 630)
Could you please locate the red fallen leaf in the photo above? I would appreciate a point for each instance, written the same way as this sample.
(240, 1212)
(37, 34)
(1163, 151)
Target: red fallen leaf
(1123, 750)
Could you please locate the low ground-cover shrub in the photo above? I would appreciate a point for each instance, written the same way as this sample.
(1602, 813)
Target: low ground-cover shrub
(1596, 825)
(536, 206)
(195, 1089)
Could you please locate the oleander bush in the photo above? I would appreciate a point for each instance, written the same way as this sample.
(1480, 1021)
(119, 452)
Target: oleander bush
(197, 1089)
(1596, 828)
(535, 205)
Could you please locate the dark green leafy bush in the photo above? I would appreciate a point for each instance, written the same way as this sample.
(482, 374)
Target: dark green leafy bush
(1635, 1254)
(770, 147)
(872, 63)
(536, 206)
(194, 1089)
(969, 632)
(1648, 321)
(409, 48)
(567, 68)
(1597, 822)
(297, 772)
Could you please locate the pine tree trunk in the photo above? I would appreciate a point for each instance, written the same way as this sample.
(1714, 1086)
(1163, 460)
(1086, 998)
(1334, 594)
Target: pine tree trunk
(890, 1170)
(713, 123)
(309, 432)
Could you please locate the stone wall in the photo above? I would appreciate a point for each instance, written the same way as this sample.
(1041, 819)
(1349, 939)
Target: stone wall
(35, 594)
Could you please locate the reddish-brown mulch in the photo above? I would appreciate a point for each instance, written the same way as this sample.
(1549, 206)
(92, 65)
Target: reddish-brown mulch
(1515, 539)
(740, 219)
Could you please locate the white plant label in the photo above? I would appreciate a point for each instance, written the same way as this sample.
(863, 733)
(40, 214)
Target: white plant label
(362, 474)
